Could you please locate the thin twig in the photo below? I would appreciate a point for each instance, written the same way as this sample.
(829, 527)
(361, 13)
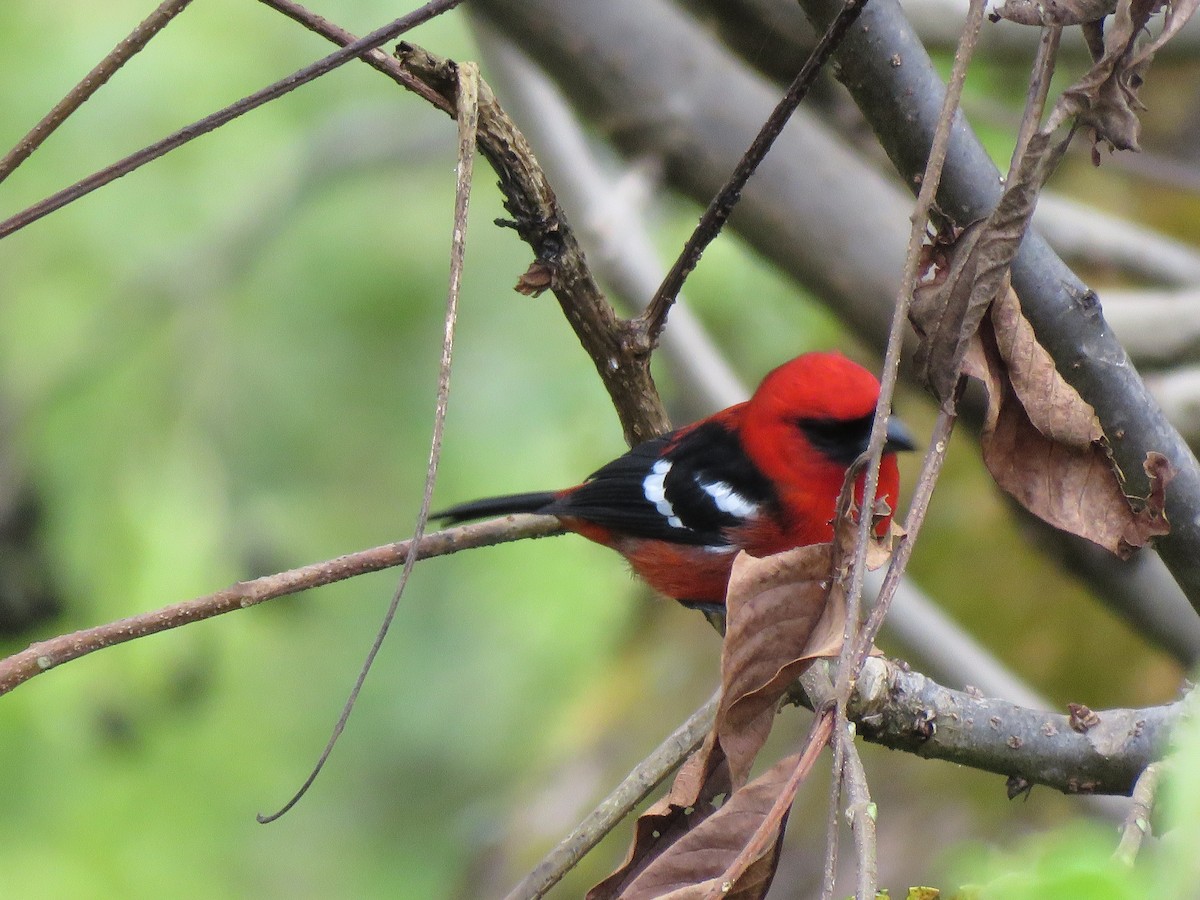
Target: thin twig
(833, 807)
(221, 117)
(636, 786)
(850, 658)
(92, 82)
(468, 124)
(44, 655)
(376, 59)
(861, 812)
(1039, 90)
(919, 218)
(655, 316)
(931, 467)
(1137, 822)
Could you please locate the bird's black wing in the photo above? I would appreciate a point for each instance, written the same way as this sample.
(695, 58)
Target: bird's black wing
(686, 487)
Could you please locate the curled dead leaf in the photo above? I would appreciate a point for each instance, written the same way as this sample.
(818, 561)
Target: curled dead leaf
(735, 851)
(1043, 445)
(535, 280)
(780, 617)
(1150, 515)
(1105, 99)
(947, 312)
(698, 862)
(701, 782)
(1054, 408)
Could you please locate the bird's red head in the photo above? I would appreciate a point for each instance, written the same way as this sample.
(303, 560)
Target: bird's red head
(807, 422)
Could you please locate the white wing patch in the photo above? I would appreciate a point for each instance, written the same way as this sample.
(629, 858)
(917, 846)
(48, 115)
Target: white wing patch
(727, 500)
(655, 489)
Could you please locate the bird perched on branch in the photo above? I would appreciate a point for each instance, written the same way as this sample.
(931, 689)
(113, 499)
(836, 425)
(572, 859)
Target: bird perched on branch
(761, 476)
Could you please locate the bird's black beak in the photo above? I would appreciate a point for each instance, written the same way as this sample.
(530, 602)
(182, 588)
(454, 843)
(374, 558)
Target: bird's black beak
(898, 437)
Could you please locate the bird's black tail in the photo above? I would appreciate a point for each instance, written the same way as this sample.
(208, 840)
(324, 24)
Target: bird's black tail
(496, 506)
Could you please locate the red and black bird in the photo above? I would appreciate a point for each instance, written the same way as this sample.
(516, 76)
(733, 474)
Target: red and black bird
(761, 476)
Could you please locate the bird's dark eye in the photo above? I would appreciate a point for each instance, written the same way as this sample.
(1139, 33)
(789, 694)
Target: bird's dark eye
(839, 440)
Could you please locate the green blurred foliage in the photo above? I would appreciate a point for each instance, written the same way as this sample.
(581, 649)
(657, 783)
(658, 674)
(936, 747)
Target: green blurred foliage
(1073, 863)
(1076, 862)
(224, 365)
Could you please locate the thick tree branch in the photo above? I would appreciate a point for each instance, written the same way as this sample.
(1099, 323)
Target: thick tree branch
(904, 710)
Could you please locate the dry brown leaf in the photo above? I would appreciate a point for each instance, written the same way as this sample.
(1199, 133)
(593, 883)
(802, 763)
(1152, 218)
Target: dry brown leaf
(690, 868)
(1113, 47)
(1043, 445)
(783, 612)
(948, 309)
(702, 780)
(1054, 407)
(1150, 518)
(735, 851)
(778, 621)
(535, 280)
(780, 617)
(1106, 98)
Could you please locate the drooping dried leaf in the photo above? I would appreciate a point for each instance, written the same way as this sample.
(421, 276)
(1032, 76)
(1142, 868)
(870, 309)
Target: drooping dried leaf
(1150, 517)
(735, 851)
(1043, 445)
(690, 867)
(701, 781)
(947, 311)
(1054, 407)
(1178, 13)
(1106, 98)
(779, 619)
(535, 280)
